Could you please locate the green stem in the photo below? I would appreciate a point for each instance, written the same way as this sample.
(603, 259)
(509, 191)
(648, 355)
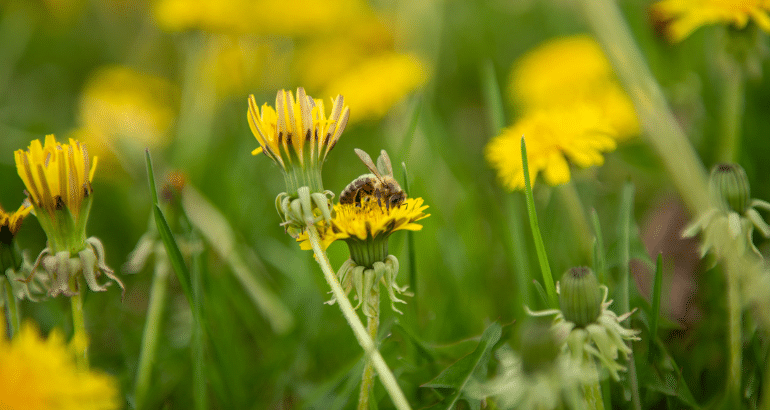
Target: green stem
(732, 110)
(13, 311)
(200, 393)
(367, 380)
(659, 124)
(734, 341)
(79, 327)
(539, 246)
(366, 342)
(574, 206)
(152, 327)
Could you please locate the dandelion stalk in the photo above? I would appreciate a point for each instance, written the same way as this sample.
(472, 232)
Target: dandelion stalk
(366, 342)
(574, 206)
(732, 110)
(593, 393)
(158, 293)
(367, 380)
(79, 334)
(539, 247)
(734, 341)
(13, 311)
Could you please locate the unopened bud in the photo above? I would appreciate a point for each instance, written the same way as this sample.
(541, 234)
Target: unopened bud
(729, 187)
(580, 298)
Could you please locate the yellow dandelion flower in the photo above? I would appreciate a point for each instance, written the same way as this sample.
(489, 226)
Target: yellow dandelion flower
(583, 76)
(379, 82)
(682, 17)
(58, 180)
(10, 222)
(555, 139)
(298, 136)
(57, 176)
(370, 221)
(122, 105)
(41, 374)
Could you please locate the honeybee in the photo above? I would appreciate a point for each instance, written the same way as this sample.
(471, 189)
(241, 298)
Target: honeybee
(379, 185)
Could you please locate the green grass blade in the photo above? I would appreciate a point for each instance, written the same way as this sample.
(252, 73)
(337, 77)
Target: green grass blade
(542, 257)
(656, 289)
(172, 249)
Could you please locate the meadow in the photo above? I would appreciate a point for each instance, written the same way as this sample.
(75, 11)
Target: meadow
(214, 204)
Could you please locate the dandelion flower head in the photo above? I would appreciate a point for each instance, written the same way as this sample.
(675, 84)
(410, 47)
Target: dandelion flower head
(56, 175)
(10, 222)
(41, 374)
(370, 220)
(683, 17)
(555, 139)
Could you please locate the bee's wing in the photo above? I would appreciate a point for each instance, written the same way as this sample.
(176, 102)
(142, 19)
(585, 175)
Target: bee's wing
(383, 164)
(367, 160)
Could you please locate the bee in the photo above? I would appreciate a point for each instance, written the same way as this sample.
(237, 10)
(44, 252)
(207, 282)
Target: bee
(379, 185)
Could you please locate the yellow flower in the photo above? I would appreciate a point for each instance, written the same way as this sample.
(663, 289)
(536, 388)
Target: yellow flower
(370, 221)
(683, 17)
(379, 82)
(56, 176)
(583, 77)
(122, 105)
(11, 222)
(298, 136)
(555, 138)
(40, 374)
(264, 17)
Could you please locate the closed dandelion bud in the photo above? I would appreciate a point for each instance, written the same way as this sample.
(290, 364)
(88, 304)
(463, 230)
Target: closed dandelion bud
(538, 345)
(580, 298)
(729, 187)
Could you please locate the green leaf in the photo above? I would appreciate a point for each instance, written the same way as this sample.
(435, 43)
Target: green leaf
(460, 373)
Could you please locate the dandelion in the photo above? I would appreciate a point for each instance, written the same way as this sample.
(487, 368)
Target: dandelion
(585, 322)
(13, 263)
(555, 139)
(297, 136)
(58, 180)
(682, 17)
(40, 374)
(538, 376)
(584, 77)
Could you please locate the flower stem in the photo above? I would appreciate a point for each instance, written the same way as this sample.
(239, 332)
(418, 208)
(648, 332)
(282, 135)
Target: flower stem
(574, 206)
(732, 110)
(13, 312)
(79, 336)
(734, 341)
(367, 380)
(366, 342)
(593, 392)
(155, 309)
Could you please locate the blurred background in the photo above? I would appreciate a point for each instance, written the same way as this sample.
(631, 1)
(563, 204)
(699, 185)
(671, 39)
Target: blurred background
(173, 76)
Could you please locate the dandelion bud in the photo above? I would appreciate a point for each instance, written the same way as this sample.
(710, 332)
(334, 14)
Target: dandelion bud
(729, 187)
(580, 299)
(538, 345)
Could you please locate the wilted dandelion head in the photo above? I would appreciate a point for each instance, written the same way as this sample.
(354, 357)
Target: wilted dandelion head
(680, 18)
(556, 138)
(10, 222)
(40, 373)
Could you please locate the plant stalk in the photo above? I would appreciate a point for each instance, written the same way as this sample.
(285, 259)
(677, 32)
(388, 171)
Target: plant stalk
(734, 341)
(79, 335)
(13, 311)
(366, 342)
(733, 100)
(367, 380)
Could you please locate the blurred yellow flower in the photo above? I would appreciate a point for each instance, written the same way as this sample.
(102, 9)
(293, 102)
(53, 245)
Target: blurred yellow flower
(583, 76)
(233, 64)
(286, 18)
(370, 221)
(40, 374)
(555, 139)
(379, 82)
(682, 17)
(136, 108)
(10, 222)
